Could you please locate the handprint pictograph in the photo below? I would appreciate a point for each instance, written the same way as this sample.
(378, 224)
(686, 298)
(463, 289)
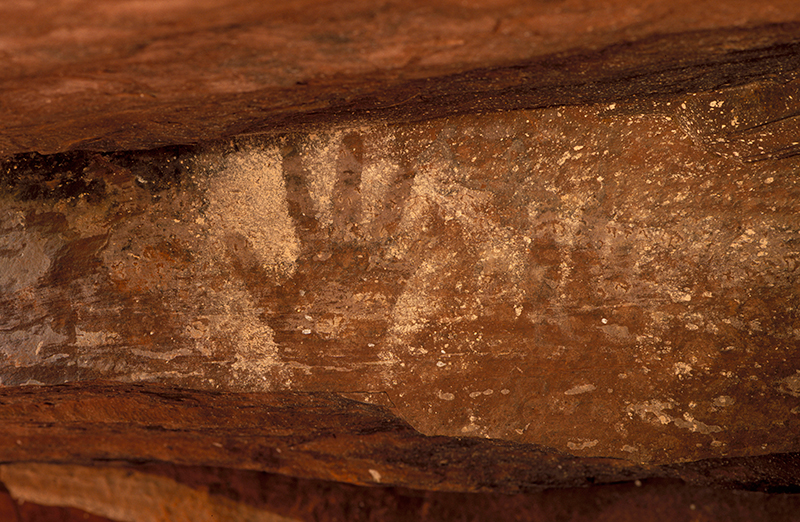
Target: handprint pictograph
(397, 261)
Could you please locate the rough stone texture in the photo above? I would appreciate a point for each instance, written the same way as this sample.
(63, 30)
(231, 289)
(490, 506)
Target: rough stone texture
(615, 280)
(107, 75)
(118, 494)
(18, 510)
(569, 229)
(316, 435)
(284, 498)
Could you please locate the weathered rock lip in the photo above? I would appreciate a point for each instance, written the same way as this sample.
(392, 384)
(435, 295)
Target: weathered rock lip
(660, 65)
(315, 435)
(656, 65)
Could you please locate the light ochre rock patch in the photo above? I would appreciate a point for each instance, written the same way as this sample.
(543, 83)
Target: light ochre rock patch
(248, 197)
(118, 494)
(319, 157)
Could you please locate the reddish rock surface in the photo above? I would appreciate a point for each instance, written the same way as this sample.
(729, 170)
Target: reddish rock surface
(611, 280)
(255, 496)
(315, 435)
(465, 248)
(107, 75)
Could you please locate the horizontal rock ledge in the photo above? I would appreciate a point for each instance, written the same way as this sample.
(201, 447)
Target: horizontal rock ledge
(153, 88)
(312, 435)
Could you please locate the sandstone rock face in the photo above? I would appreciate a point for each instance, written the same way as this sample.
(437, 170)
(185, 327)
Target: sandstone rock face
(200, 494)
(460, 248)
(608, 280)
(104, 75)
